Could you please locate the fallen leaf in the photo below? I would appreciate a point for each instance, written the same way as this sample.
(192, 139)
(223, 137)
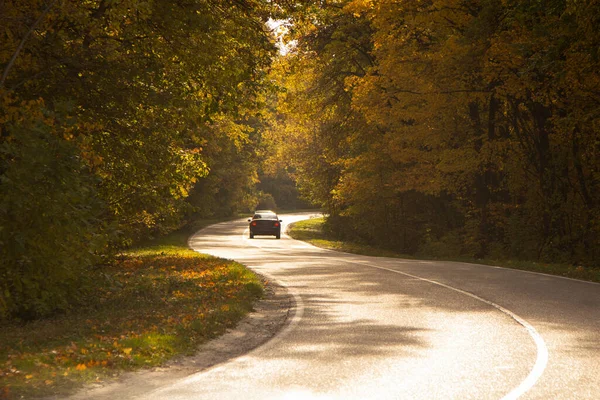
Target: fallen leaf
(80, 367)
(127, 350)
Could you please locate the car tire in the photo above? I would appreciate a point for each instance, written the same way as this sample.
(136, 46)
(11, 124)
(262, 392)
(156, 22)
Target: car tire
(278, 236)
(251, 236)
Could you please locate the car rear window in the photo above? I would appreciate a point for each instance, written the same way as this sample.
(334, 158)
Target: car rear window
(265, 216)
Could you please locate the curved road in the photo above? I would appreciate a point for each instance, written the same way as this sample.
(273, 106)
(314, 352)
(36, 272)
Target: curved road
(381, 328)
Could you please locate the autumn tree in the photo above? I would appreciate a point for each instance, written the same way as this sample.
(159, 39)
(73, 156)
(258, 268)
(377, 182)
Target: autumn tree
(472, 138)
(314, 118)
(112, 112)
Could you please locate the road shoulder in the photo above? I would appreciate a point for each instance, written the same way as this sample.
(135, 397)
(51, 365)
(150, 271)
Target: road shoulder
(270, 315)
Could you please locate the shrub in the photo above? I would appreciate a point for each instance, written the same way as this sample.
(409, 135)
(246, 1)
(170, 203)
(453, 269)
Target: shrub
(49, 226)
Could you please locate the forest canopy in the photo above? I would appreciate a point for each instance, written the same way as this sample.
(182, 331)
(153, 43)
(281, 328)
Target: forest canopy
(117, 118)
(460, 128)
(449, 127)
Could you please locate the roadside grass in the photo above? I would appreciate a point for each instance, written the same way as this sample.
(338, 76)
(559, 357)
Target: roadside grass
(155, 302)
(311, 231)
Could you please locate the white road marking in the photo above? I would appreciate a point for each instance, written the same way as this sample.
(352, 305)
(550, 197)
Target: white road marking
(542, 350)
(533, 273)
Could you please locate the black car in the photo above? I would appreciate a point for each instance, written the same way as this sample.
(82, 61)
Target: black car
(265, 222)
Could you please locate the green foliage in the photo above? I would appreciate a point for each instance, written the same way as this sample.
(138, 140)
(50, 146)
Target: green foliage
(231, 156)
(155, 100)
(160, 91)
(50, 231)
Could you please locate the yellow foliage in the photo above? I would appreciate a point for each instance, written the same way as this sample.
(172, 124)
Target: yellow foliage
(357, 7)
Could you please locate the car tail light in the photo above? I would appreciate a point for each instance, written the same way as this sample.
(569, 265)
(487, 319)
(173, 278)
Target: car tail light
(253, 223)
(276, 223)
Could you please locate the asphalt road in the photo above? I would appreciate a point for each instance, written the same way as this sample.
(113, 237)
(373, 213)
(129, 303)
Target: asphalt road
(381, 328)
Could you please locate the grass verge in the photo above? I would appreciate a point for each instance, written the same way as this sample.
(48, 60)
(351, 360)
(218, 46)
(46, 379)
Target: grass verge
(155, 302)
(311, 231)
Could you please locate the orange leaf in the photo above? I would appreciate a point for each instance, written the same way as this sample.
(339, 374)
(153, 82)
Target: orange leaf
(80, 367)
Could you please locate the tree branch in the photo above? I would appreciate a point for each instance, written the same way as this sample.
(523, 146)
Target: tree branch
(22, 43)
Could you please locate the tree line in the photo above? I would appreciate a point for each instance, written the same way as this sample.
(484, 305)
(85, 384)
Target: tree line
(449, 127)
(441, 127)
(117, 119)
